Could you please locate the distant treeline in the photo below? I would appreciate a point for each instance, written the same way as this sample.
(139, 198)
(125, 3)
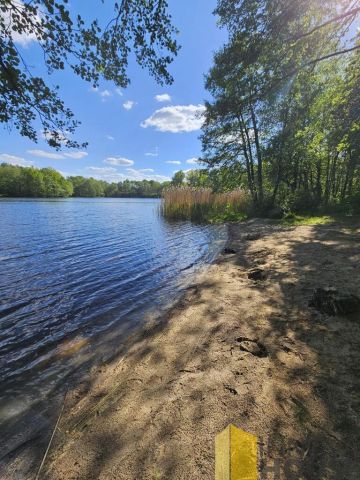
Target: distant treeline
(16, 181)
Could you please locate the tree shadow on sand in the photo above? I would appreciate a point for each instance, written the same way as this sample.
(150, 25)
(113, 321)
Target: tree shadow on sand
(172, 387)
(319, 393)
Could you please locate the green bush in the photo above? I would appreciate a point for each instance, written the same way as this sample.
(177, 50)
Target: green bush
(301, 202)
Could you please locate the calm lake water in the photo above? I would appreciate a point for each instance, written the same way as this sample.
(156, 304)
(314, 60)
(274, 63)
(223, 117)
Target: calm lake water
(78, 273)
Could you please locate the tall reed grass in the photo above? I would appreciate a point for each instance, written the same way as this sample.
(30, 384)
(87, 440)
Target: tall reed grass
(202, 205)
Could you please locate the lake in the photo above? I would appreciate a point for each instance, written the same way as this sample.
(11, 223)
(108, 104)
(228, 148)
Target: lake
(76, 275)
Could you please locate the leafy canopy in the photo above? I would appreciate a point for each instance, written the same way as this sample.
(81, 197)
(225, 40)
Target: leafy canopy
(92, 51)
(280, 112)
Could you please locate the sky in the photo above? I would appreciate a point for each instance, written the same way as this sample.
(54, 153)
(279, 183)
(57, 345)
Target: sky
(146, 131)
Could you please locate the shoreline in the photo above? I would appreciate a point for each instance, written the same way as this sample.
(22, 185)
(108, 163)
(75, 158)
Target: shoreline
(231, 350)
(25, 437)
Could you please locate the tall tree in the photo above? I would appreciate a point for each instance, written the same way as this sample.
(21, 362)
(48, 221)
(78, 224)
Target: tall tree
(261, 84)
(178, 178)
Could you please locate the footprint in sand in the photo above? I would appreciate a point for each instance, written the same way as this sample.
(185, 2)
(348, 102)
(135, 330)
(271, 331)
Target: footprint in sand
(252, 346)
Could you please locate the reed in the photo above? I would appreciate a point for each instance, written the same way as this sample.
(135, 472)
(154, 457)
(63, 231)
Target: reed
(202, 205)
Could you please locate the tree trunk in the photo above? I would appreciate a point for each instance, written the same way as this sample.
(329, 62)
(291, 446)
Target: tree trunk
(259, 156)
(248, 162)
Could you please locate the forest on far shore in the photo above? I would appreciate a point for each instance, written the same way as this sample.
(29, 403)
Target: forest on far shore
(16, 181)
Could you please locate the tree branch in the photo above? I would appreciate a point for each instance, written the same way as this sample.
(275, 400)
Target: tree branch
(325, 57)
(354, 11)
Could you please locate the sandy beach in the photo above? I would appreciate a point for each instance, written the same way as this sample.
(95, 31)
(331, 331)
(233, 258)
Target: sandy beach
(233, 350)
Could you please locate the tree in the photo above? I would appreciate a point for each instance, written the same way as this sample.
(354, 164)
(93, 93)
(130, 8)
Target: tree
(88, 187)
(271, 90)
(31, 183)
(10, 180)
(197, 178)
(91, 51)
(55, 185)
(178, 178)
(16, 181)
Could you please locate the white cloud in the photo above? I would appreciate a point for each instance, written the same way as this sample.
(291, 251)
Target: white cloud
(164, 97)
(173, 162)
(119, 161)
(43, 154)
(132, 171)
(119, 92)
(101, 170)
(193, 161)
(139, 172)
(131, 174)
(77, 155)
(14, 160)
(180, 118)
(159, 178)
(24, 39)
(129, 104)
(110, 177)
(110, 137)
(155, 153)
(144, 174)
(105, 93)
(58, 156)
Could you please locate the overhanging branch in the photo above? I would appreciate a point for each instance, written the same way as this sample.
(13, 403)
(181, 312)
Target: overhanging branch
(352, 12)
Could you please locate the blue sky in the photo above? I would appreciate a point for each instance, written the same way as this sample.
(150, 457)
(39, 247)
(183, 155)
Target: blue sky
(145, 131)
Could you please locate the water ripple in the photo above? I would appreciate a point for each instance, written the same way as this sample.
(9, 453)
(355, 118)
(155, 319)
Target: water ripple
(73, 270)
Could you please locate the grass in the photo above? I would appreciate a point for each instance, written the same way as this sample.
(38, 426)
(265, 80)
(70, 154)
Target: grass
(295, 220)
(202, 205)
